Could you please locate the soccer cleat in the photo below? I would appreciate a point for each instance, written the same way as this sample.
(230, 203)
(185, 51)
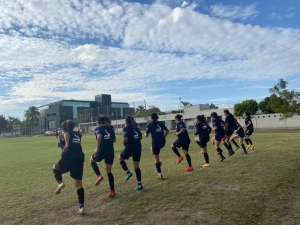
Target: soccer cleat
(245, 153)
(180, 158)
(201, 152)
(129, 175)
(81, 211)
(189, 168)
(112, 193)
(248, 147)
(139, 187)
(206, 165)
(98, 180)
(222, 159)
(237, 148)
(160, 176)
(252, 147)
(59, 188)
(231, 153)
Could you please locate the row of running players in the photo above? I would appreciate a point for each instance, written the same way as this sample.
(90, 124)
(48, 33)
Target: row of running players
(72, 157)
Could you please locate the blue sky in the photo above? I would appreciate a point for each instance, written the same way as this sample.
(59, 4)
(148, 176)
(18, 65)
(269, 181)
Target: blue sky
(202, 51)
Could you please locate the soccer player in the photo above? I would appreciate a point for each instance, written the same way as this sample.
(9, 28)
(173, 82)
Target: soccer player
(183, 141)
(203, 130)
(104, 151)
(248, 130)
(72, 159)
(158, 132)
(218, 127)
(239, 133)
(229, 129)
(133, 148)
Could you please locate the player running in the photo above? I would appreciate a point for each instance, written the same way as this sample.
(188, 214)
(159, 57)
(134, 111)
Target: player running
(218, 127)
(158, 132)
(202, 130)
(239, 133)
(133, 148)
(182, 141)
(248, 130)
(104, 151)
(72, 159)
(229, 129)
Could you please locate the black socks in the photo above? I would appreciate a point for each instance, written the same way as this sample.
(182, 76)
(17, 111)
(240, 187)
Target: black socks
(246, 140)
(206, 157)
(111, 181)
(57, 175)
(233, 141)
(95, 168)
(80, 193)
(188, 159)
(198, 143)
(250, 141)
(219, 150)
(243, 146)
(175, 150)
(157, 165)
(138, 175)
(124, 166)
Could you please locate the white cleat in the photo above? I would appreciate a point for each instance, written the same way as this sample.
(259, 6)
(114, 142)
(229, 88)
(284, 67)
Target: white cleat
(59, 188)
(160, 176)
(81, 211)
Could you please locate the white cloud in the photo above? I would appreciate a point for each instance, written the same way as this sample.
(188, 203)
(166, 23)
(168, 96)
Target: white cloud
(184, 4)
(234, 12)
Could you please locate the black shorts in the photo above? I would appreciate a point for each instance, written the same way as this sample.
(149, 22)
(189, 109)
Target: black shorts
(74, 167)
(203, 141)
(184, 144)
(219, 136)
(108, 158)
(156, 148)
(229, 132)
(134, 153)
(241, 134)
(249, 132)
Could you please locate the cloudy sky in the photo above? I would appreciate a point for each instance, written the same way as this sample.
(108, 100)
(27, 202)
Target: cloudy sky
(204, 51)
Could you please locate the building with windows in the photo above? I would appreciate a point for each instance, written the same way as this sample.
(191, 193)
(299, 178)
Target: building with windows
(53, 114)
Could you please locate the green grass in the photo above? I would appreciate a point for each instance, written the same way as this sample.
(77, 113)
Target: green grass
(259, 188)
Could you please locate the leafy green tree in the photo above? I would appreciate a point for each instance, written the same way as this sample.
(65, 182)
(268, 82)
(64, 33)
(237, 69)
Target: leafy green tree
(212, 106)
(153, 109)
(3, 123)
(12, 124)
(32, 115)
(140, 109)
(284, 101)
(186, 103)
(264, 106)
(250, 106)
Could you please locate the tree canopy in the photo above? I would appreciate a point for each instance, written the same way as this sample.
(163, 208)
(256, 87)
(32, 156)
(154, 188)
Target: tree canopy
(186, 103)
(32, 115)
(250, 106)
(264, 106)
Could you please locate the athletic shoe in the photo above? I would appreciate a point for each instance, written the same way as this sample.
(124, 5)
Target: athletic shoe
(98, 180)
(189, 168)
(129, 175)
(206, 165)
(139, 187)
(248, 147)
(231, 153)
(252, 147)
(222, 159)
(160, 176)
(201, 152)
(245, 153)
(59, 188)
(112, 193)
(81, 211)
(180, 158)
(237, 148)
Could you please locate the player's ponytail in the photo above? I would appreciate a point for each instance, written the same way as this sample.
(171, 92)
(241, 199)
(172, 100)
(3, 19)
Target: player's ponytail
(178, 117)
(70, 126)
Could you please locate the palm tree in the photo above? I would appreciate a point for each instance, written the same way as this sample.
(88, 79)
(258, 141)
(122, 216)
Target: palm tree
(12, 124)
(32, 115)
(186, 103)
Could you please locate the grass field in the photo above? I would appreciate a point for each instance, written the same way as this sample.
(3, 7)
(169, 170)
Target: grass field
(262, 187)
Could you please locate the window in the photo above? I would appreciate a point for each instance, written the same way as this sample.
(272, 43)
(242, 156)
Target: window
(76, 105)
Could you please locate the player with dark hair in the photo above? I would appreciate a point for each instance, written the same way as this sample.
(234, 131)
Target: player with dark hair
(218, 127)
(248, 130)
(182, 141)
(104, 151)
(158, 132)
(229, 129)
(133, 148)
(72, 159)
(202, 130)
(239, 133)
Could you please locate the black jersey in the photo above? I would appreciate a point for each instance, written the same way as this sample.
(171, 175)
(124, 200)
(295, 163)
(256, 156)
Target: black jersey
(247, 120)
(107, 141)
(185, 134)
(220, 124)
(202, 129)
(75, 150)
(157, 128)
(238, 126)
(134, 136)
(230, 121)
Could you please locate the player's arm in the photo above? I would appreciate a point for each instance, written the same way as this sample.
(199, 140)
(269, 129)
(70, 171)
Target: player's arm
(147, 131)
(99, 140)
(67, 140)
(197, 129)
(214, 128)
(181, 131)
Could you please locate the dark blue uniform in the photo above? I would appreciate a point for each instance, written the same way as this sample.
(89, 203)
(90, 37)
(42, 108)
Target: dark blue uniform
(133, 147)
(106, 148)
(240, 132)
(203, 130)
(183, 139)
(220, 132)
(72, 160)
(230, 121)
(157, 128)
(249, 129)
